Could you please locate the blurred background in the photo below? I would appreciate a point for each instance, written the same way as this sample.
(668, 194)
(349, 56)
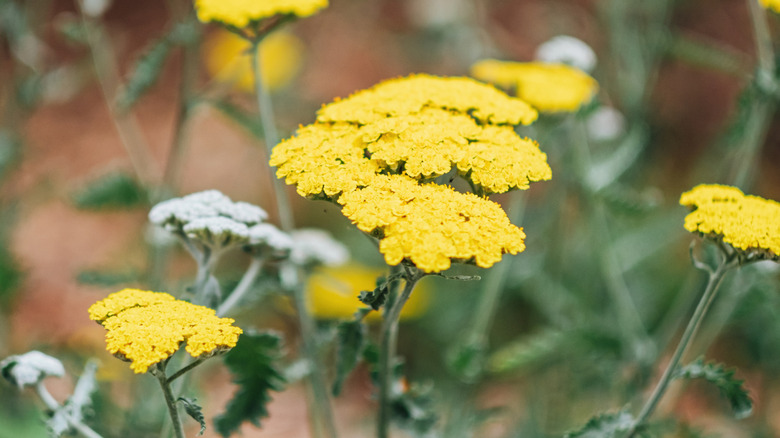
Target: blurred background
(83, 156)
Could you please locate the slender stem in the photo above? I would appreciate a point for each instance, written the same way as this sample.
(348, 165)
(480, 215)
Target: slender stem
(321, 406)
(283, 208)
(762, 107)
(707, 298)
(389, 338)
(242, 288)
(187, 368)
(188, 74)
(170, 401)
(108, 77)
(46, 397)
(54, 406)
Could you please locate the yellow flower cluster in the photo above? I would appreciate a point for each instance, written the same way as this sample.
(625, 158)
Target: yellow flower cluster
(374, 152)
(148, 327)
(240, 13)
(771, 4)
(227, 59)
(548, 87)
(748, 223)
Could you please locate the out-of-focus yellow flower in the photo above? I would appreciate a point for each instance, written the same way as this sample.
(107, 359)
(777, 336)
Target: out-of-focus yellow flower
(771, 4)
(548, 87)
(333, 293)
(748, 223)
(376, 152)
(228, 60)
(240, 13)
(148, 327)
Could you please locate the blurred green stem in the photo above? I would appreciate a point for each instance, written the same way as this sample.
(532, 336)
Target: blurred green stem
(762, 107)
(476, 339)
(283, 208)
(389, 339)
(320, 406)
(636, 339)
(108, 77)
(710, 291)
(242, 288)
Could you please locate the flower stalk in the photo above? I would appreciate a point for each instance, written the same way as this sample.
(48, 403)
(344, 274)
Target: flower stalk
(265, 105)
(715, 278)
(388, 342)
(165, 384)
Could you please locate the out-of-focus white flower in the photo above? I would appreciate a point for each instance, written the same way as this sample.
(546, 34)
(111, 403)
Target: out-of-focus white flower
(176, 212)
(567, 50)
(206, 197)
(605, 124)
(95, 8)
(217, 230)
(438, 13)
(267, 234)
(317, 246)
(243, 212)
(30, 368)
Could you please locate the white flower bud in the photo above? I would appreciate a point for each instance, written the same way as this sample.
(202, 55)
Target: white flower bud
(267, 234)
(317, 246)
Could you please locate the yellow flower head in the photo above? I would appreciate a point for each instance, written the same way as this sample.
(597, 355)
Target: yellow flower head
(771, 4)
(333, 293)
(377, 151)
(431, 225)
(228, 61)
(748, 223)
(240, 13)
(411, 94)
(148, 327)
(548, 87)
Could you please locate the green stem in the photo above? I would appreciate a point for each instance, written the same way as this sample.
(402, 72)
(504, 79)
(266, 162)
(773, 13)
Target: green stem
(283, 208)
(320, 406)
(170, 401)
(389, 338)
(187, 368)
(242, 288)
(762, 107)
(710, 291)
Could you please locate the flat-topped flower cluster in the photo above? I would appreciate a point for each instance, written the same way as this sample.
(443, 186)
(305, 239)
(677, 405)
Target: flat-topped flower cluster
(377, 152)
(748, 223)
(148, 327)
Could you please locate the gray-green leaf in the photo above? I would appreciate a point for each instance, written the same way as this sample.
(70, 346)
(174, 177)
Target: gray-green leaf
(351, 340)
(195, 411)
(730, 387)
(610, 425)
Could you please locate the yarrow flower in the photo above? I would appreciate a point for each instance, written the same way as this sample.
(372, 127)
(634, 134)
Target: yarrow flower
(549, 87)
(227, 59)
(30, 368)
(748, 223)
(146, 327)
(376, 152)
(771, 4)
(240, 13)
(567, 50)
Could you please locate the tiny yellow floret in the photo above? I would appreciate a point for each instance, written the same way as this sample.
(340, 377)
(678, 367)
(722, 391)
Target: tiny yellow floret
(548, 87)
(240, 13)
(748, 223)
(148, 327)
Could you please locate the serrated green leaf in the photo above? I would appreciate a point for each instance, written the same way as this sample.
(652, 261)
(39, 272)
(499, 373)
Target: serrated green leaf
(195, 411)
(113, 190)
(376, 298)
(525, 351)
(351, 340)
(609, 425)
(414, 411)
(730, 387)
(149, 66)
(253, 364)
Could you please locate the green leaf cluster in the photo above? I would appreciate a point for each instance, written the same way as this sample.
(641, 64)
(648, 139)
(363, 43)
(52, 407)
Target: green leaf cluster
(253, 362)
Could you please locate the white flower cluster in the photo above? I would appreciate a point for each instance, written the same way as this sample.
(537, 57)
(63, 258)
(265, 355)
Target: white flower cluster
(30, 368)
(209, 216)
(317, 246)
(565, 49)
